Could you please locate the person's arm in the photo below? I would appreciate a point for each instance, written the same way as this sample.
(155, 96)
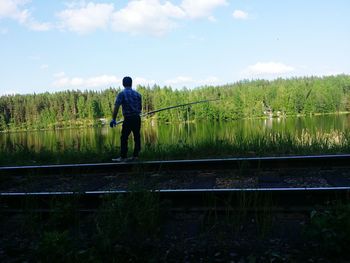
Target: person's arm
(115, 111)
(113, 122)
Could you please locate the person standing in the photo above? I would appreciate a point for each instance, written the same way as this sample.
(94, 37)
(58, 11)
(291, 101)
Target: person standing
(131, 102)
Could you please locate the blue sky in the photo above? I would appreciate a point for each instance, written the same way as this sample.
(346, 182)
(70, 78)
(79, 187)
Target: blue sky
(59, 45)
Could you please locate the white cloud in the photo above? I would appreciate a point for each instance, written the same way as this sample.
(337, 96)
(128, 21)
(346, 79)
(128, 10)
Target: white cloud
(15, 9)
(334, 72)
(36, 26)
(186, 81)
(201, 8)
(86, 18)
(62, 81)
(8, 92)
(268, 68)
(147, 16)
(59, 74)
(180, 80)
(153, 17)
(143, 82)
(102, 81)
(211, 80)
(44, 66)
(212, 19)
(239, 14)
(75, 3)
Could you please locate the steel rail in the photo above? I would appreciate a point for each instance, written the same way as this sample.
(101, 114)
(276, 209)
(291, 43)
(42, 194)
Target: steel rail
(323, 161)
(280, 199)
(179, 191)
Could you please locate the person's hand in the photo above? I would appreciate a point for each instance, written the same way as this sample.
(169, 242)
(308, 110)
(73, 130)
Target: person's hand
(113, 123)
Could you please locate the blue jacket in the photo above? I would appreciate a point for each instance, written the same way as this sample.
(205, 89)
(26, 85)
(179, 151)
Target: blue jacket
(130, 100)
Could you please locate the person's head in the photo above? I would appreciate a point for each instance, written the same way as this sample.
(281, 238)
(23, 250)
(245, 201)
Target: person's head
(127, 82)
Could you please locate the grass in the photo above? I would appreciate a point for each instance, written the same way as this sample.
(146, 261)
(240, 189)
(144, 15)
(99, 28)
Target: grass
(131, 228)
(261, 144)
(126, 226)
(124, 229)
(329, 230)
(239, 209)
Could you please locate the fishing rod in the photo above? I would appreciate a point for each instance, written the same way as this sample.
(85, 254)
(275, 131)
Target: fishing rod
(169, 108)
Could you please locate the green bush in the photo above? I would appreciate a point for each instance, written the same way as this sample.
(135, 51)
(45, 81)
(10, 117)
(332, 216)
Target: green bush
(329, 230)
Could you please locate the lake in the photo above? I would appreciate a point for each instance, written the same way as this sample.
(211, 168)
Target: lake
(100, 139)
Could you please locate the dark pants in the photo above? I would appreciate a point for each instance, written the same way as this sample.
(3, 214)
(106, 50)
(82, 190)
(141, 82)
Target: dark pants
(130, 124)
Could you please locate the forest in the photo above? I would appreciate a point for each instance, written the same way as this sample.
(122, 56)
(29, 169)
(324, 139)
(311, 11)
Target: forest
(243, 99)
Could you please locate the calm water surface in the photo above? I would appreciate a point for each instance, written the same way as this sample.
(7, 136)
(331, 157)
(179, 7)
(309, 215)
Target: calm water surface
(192, 133)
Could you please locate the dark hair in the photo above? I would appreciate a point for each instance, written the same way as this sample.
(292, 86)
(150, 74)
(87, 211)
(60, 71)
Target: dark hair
(127, 82)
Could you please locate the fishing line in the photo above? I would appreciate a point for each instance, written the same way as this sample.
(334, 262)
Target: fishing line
(169, 108)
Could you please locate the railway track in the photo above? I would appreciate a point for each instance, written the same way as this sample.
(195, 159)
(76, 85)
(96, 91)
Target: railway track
(274, 199)
(285, 199)
(226, 163)
(224, 204)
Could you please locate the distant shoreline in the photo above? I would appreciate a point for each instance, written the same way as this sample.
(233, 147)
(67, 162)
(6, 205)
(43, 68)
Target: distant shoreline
(175, 122)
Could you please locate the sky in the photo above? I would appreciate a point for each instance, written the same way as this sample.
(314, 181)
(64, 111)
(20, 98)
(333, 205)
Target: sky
(49, 46)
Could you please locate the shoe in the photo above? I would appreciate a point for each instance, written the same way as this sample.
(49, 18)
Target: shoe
(133, 159)
(119, 159)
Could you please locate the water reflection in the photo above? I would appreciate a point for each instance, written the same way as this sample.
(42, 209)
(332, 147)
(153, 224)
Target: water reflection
(153, 133)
